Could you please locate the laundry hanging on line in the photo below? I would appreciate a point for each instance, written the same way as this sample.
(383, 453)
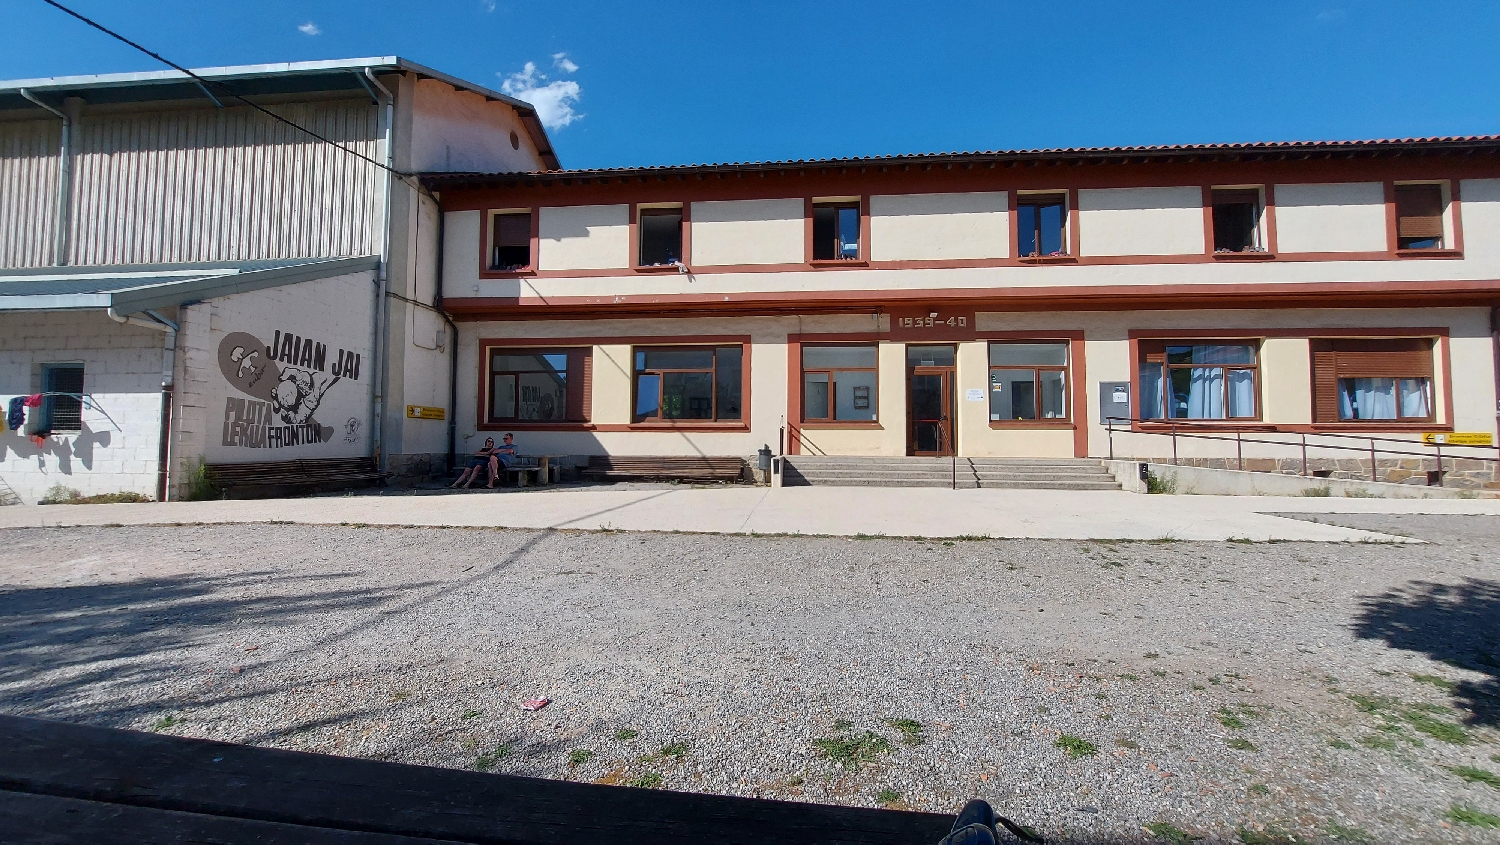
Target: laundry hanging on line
(15, 416)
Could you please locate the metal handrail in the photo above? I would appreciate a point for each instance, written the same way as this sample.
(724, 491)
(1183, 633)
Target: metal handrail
(1240, 440)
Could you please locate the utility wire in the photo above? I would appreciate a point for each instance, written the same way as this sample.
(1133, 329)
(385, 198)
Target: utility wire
(204, 83)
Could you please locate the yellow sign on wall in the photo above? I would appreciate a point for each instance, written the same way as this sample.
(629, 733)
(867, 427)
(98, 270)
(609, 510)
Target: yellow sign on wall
(1459, 438)
(424, 412)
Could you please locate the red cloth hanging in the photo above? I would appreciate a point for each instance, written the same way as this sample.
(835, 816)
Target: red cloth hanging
(38, 440)
(34, 400)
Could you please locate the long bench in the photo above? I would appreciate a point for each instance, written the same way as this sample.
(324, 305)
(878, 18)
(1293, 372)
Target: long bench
(296, 476)
(672, 468)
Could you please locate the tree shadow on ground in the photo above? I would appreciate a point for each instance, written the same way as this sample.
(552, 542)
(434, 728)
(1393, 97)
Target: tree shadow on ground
(61, 646)
(1458, 624)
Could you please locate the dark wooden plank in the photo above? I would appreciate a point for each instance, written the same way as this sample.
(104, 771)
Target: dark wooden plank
(129, 767)
(27, 819)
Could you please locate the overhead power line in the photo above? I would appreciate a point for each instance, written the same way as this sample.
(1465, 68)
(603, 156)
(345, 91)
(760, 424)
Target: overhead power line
(204, 83)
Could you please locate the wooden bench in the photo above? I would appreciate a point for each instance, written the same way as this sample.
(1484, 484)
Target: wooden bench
(298, 475)
(674, 468)
(61, 782)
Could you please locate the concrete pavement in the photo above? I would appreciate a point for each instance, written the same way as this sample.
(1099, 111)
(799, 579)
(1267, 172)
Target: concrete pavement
(838, 511)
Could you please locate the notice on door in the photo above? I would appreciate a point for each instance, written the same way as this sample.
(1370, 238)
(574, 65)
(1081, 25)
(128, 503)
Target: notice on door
(974, 394)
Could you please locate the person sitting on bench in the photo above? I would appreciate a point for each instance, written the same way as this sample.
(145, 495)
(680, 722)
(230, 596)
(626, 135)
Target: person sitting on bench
(481, 459)
(504, 454)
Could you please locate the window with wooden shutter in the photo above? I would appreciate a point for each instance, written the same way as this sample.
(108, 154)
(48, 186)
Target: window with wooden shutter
(510, 241)
(1372, 381)
(1419, 216)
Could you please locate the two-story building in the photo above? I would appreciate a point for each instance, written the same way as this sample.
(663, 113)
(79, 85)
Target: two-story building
(237, 271)
(984, 304)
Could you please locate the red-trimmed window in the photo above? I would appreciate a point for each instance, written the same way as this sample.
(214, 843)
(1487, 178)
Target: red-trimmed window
(1372, 381)
(688, 383)
(538, 385)
(510, 241)
(1028, 381)
(840, 383)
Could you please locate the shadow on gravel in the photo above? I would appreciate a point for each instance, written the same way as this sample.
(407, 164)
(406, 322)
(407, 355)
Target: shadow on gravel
(56, 642)
(1459, 624)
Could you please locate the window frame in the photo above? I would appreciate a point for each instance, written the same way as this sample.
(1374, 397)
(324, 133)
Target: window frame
(50, 403)
(1066, 420)
(637, 235)
(1445, 201)
(1217, 195)
(1326, 374)
(832, 421)
(578, 408)
(861, 205)
(487, 248)
(714, 422)
(1039, 199)
(1164, 343)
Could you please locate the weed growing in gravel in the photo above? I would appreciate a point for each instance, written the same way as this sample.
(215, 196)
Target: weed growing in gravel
(398, 697)
(795, 780)
(911, 730)
(1129, 677)
(472, 714)
(579, 756)
(1259, 789)
(1199, 687)
(1239, 743)
(165, 722)
(1344, 833)
(649, 780)
(1158, 673)
(852, 751)
(487, 761)
(1318, 492)
(1476, 775)
(1127, 743)
(1229, 720)
(674, 749)
(626, 734)
(888, 795)
(1339, 744)
(1076, 747)
(842, 725)
(1436, 680)
(1272, 835)
(1436, 728)
(1469, 815)
(1383, 743)
(1151, 655)
(1170, 833)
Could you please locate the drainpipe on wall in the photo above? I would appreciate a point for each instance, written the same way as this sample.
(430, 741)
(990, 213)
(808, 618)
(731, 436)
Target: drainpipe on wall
(452, 347)
(377, 409)
(64, 179)
(168, 364)
(1495, 348)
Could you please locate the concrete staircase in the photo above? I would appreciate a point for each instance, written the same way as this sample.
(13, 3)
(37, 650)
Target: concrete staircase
(1014, 473)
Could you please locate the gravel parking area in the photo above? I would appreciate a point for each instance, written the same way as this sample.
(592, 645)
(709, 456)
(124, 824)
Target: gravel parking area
(1233, 691)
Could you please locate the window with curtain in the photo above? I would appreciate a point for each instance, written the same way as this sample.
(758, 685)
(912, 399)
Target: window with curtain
(1041, 225)
(510, 241)
(701, 383)
(1197, 381)
(1419, 216)
(1028, 381)
(538, 385)
(839, 383)
(1372, 380)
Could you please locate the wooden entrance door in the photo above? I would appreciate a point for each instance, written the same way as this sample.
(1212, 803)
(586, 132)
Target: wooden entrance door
(929, 411)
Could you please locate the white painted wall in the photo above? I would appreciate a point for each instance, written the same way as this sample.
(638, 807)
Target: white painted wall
(582, 237)
(455, 130)
(116, 450)
(916, 227)
(1479, 204)
(1140, 221)
(748, 232)
(1331, 217)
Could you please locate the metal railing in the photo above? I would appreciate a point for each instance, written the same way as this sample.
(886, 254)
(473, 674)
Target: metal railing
(1368, 443)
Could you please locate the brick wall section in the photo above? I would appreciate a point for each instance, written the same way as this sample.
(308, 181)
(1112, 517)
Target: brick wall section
(191, 424)
(117, 449)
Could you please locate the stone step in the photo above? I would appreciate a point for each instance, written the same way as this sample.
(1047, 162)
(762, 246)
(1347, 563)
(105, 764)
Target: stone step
(969, 473)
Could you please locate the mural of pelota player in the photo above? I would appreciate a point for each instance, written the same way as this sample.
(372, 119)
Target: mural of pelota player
(296, 397)
(292, 389)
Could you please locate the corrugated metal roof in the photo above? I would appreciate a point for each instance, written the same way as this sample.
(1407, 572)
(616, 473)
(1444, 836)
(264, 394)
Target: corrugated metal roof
(1253, 150)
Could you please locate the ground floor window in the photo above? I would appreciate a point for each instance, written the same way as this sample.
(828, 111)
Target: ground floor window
(62, 409)
(1360, 380)
(701, 383)
(1028, 381)
(537, 385)
(1197, 381)
(839, 383)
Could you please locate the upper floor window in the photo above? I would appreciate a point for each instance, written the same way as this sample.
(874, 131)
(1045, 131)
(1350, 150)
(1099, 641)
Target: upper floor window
(1197, 381)
(836, 231)
(1028, 381)
(1372, 380)
(510, 241)
(1419, 216)
(660, 236)
(1237, 220)
(62, 409)
(688, 383)
(839, 383)
(538, 385)
(1041, 225)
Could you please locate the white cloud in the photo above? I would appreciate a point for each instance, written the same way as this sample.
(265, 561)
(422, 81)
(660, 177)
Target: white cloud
(487, 5)
(561, 61)
(309, 28)
(553, 100)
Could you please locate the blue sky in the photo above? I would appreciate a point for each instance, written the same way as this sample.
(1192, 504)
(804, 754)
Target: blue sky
(685, 82)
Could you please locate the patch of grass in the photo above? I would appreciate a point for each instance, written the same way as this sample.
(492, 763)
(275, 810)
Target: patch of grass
(1436, 680)
(1436, 728)
(1199, 687)
(843, 725)
(1373, 703)
(1384, 743)
(1161, 484)
(1259, 789)
(1318, 492)
(674, 749)
(911, 730)
(1129, 677)
(60, 495)
(888, 795)
(1272, 835)
(1339, 744)
(1239, 743)
(795, 780)
(1158, 673)
(626, 734)
(1344, 833)
(1075, 746)
(1356, 493)
(1229, 720)
(851, 751)
(472, 714)
(1469, 815)
(487, 761)
(165, 722)
(579, 756)
(649, 780)
(1476, 775)
(1169, 832)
